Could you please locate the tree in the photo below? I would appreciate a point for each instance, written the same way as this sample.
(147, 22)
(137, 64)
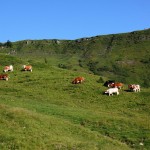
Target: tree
(8, 44)
(1, 44)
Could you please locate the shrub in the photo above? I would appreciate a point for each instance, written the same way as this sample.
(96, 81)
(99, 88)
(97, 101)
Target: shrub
(100, 80)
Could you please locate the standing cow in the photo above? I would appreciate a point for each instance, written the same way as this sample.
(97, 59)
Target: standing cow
(78, 80)
(4, 77)
(134, 87)
(116, 84)
(109, 82)
(27, 68)
(111, 91)
(8, 68)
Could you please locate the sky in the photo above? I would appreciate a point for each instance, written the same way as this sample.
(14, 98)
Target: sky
(70, 19)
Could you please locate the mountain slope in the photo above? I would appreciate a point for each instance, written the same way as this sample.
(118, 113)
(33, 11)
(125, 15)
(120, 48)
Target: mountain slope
(43, 110)
(123, 57)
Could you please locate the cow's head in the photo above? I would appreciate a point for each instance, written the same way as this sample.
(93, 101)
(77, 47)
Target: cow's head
(111, 84)
(23, 66)
(107, 91)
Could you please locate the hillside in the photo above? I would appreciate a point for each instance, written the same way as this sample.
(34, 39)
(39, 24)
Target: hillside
(123, 57)
(43, 110)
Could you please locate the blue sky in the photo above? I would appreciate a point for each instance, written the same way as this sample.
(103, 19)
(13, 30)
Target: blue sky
(70, 19)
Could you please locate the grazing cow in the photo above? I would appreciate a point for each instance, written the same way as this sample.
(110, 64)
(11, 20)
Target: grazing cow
(116, 84)
(27, 68)
(78, 80)
(8, 68)
(4, 77)
(111, 91)
(108, 82)
(134, 87)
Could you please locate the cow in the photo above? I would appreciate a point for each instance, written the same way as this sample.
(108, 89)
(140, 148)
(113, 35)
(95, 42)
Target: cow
(8, 68)
(27, 68)
(134, 87)
(116, 84)
(4, 77)
(78, 80)
(111, 91)
(109, 82)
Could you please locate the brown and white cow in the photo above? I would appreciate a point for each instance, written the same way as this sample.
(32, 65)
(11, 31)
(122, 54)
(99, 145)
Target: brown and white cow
(78, 80)
(27, 68)
(4, 77)
(8, 68)
(134, 87)
(116, 84)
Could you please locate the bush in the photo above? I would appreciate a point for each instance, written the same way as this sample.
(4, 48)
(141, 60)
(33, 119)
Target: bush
(64, 66)
(8, 44)
(101, 80)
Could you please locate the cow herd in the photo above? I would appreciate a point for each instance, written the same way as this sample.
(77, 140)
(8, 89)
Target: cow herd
(10, 68)
(113, 87)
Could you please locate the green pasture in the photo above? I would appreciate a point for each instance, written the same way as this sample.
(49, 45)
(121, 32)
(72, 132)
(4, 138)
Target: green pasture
(43, 110)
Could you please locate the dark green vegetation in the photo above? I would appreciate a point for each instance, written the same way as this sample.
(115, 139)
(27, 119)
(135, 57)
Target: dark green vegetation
(43, 110)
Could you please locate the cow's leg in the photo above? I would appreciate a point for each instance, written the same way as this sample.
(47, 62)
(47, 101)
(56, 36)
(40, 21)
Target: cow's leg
(77, 81)
(110, 94)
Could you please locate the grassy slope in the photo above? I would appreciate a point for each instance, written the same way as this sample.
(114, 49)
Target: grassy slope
(123, 57)
(43, 110)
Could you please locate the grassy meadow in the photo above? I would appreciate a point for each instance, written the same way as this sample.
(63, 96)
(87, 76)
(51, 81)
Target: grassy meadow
(43, 110)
